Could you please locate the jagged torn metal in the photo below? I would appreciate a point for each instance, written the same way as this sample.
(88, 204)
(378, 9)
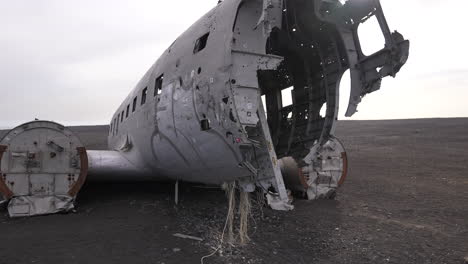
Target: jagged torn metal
(366, 71)
(39, 205)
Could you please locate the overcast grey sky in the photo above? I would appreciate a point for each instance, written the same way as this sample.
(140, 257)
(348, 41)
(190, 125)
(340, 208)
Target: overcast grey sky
(75, 61)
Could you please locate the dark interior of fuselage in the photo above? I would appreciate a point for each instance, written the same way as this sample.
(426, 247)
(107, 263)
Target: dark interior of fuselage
(312, 65)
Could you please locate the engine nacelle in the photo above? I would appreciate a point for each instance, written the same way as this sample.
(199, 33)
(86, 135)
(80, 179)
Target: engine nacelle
(43, 166)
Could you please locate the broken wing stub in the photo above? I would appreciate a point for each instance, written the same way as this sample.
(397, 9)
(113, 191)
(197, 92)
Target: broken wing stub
(43, 166)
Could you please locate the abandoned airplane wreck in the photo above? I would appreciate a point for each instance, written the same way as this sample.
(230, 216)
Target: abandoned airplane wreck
(197, 114)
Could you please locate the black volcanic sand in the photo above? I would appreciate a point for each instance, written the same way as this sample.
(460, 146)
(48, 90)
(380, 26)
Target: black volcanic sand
(405, 201)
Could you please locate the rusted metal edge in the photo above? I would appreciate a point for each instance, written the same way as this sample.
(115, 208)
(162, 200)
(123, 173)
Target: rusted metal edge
(344, 156)
(83, 172)
(302, 179)
(7, 193)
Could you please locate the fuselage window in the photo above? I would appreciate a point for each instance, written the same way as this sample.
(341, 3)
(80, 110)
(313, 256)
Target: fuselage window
(122, 116)
(134, 104)
(111, 127)
(200, 44)
(158, 85)
(128, 110)
(115, 124)
(143, 95)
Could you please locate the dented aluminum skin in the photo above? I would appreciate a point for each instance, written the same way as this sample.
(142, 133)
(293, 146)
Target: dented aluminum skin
(207, 123)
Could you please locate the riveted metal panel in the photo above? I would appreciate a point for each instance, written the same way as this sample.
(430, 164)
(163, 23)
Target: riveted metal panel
(43, 166)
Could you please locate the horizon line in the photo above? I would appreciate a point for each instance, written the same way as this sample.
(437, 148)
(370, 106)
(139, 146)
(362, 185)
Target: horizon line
(339, 120)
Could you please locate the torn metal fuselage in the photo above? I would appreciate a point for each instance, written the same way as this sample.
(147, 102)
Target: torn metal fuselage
(197, 115)
(319, 42)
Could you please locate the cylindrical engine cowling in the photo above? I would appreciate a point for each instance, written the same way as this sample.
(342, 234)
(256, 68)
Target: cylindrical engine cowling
(43, 166)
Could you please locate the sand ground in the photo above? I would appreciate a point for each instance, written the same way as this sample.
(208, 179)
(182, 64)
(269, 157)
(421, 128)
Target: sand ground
(405, 201)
